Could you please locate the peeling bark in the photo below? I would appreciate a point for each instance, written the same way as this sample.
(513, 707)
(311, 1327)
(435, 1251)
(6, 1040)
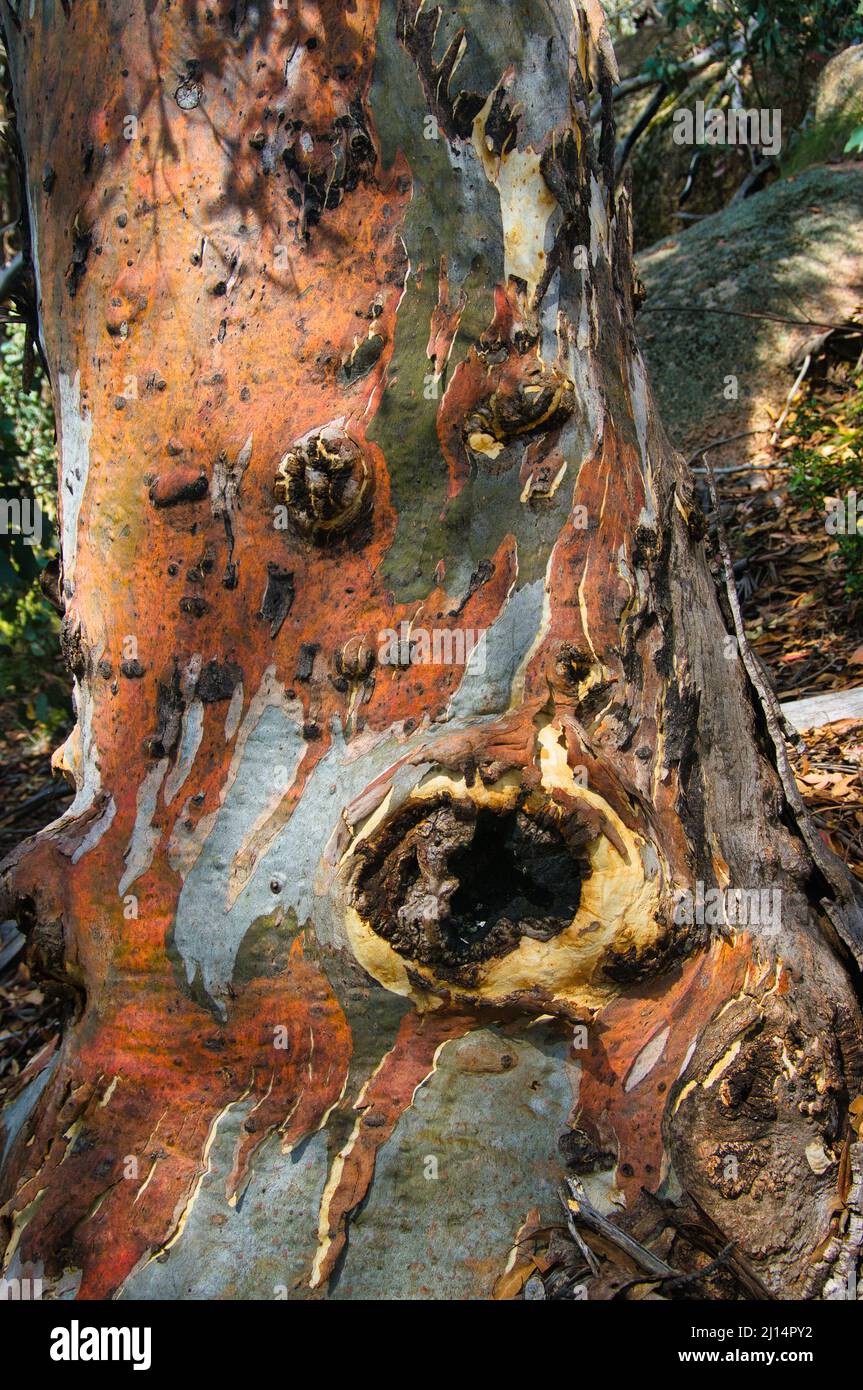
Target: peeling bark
(342, 340)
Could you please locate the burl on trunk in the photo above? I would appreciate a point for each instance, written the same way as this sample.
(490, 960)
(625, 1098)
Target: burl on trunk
(426, 813)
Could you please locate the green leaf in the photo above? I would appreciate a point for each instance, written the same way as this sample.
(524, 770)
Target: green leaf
(855, 141)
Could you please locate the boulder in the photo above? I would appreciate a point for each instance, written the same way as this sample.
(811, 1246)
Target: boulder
(837, 111)
(793, 251)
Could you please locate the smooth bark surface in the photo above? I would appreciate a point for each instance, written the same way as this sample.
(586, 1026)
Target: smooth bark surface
(337, 302)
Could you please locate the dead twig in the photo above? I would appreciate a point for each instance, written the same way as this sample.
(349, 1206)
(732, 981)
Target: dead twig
(717, 444)
(579, 1206)
(736, 314)
(681, 1281)
(789, 400)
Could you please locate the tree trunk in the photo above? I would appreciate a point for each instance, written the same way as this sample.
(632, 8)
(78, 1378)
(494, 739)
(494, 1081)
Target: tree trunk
(418, 777)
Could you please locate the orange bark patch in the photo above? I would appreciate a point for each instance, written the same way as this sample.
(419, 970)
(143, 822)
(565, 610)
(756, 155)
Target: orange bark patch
(622, 1107)
(139, 1094)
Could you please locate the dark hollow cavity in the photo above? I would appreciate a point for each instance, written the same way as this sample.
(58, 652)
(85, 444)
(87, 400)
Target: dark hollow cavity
(450, 885)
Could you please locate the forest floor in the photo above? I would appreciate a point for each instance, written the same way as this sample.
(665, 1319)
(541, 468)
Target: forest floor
(800, 585)
(30, 797)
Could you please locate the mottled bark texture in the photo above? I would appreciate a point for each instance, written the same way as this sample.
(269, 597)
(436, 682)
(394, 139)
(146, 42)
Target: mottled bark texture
(337, 302)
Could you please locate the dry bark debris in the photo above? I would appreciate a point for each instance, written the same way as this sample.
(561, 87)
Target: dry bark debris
(801, 623)
(29, 797)
(671, 1251)
(30, 1020)
(30, 1014)
(830, 778)
(798, 620)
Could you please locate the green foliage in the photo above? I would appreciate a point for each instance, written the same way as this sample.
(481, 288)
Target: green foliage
(776, 35)
(31, 672)
(828, 462)
(30, 418)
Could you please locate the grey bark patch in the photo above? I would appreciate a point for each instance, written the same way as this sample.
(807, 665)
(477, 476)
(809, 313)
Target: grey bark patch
(253, 1250)
(191, 733)
(481, 575)
(266, 948)
(414, 1237)
(145, 839)
(416, 1234)
(487, 687)
(76, 429)
(208, 931)
(16, 1112)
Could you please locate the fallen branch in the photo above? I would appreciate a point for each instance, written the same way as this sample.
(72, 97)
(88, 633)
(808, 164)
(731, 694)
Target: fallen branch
(578, 1205)
(706, 1236)
(48, 793)
(641, 80)
(11, 276)
(752, 178)
(737, 314)
(717, 444)
(639, 128)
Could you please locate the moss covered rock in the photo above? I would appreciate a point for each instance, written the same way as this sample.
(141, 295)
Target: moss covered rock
(836, 113)
(793, 251)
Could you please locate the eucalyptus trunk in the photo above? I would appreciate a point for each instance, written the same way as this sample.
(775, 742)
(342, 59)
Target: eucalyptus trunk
(429, 830)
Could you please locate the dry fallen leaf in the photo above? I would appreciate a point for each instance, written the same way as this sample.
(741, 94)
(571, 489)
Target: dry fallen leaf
(510, 1284)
